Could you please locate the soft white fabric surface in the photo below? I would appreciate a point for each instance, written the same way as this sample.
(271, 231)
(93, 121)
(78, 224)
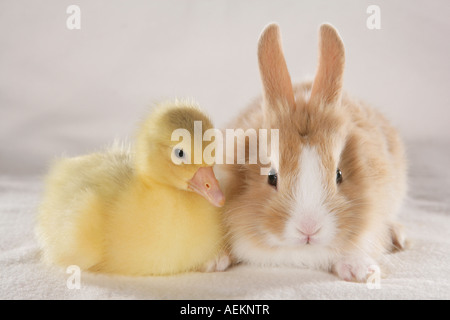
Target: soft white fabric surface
(420, 272)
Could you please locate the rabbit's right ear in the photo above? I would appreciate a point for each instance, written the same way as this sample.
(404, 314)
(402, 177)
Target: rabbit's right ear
(327, 85)
(277, 85)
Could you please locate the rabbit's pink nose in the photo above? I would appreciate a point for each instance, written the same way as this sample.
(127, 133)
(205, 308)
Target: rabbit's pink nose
(308, 229)
(308, 226)
(308, 232)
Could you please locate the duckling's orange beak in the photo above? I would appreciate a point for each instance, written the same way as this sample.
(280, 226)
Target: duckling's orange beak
(205, 184)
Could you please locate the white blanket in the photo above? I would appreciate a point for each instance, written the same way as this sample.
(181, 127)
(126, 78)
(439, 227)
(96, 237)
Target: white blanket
(420, 272)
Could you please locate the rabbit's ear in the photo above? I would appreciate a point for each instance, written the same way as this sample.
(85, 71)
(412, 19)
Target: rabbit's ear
(277, 86)
(327, 85)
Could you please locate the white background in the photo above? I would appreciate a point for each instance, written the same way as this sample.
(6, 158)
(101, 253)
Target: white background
(69, 92)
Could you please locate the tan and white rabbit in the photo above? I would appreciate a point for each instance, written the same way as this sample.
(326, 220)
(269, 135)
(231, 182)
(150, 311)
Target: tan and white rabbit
(331, 199)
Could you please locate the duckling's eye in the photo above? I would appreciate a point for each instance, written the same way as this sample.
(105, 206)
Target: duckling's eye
(179, 153)
(338, 176)
(272, 179)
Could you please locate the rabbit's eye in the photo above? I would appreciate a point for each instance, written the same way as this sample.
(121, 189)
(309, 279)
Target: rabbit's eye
(338, 176)
(272, 179)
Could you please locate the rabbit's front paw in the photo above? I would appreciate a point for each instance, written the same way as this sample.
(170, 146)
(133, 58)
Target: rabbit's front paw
(220, 263)
(355, 268)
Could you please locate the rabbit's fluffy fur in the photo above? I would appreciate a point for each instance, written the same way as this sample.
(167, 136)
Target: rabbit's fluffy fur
(311, 219)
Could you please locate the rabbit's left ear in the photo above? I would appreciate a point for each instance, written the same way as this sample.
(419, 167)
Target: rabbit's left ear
(327, 85)
(277, 86)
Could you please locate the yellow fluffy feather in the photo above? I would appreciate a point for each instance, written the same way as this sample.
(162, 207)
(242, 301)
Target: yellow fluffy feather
(133, 212)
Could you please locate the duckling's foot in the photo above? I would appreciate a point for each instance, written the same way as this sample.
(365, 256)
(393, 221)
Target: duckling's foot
(220, 263)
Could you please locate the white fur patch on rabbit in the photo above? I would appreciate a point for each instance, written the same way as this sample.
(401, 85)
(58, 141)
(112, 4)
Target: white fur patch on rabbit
(311, 222)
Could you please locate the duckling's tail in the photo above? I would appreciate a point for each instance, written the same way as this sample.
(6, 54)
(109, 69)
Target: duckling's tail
(72, 235)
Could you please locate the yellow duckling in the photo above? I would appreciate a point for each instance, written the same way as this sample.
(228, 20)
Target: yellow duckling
(134, 213)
